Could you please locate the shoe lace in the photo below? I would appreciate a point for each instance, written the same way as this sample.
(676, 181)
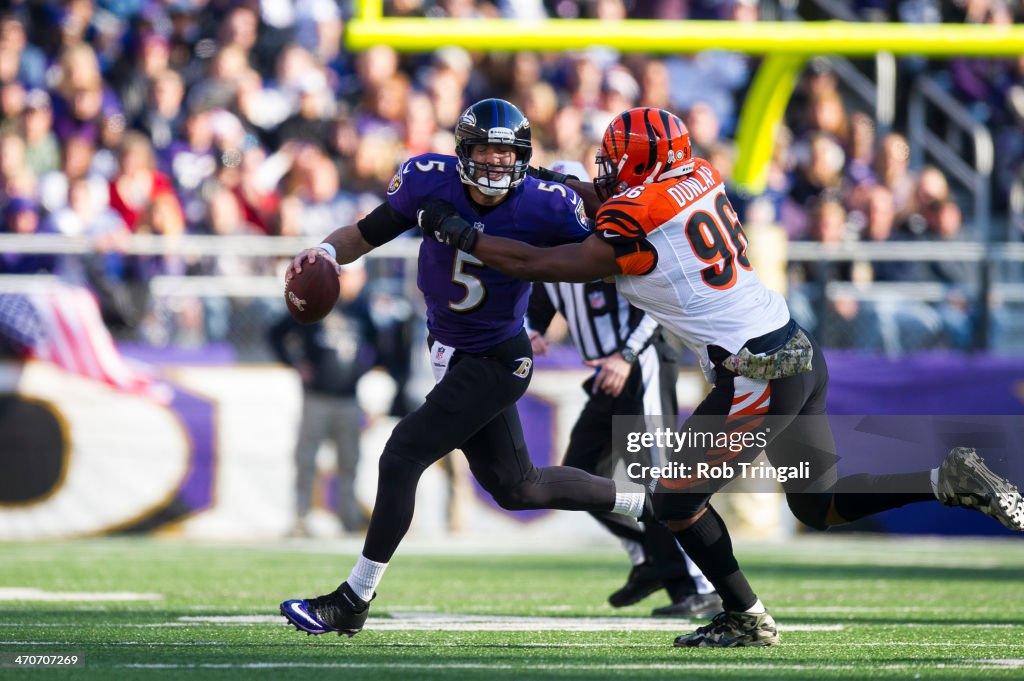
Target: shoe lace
(720, 623)
(323, 605)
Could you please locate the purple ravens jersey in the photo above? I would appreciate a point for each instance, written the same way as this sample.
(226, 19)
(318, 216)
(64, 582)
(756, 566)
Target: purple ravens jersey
(470, 306)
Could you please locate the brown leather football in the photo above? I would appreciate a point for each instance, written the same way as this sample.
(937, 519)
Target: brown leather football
(312, 293)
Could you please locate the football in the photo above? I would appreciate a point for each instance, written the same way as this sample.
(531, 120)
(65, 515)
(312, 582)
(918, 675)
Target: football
(312, 293)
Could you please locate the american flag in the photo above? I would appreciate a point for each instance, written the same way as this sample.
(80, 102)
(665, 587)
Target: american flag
(62, 324)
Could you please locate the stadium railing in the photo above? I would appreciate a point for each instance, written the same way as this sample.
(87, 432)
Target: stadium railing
(1002, 290)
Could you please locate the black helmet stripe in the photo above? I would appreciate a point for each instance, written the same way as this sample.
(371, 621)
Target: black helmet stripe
(652, 147)
(667, 124)
(627, 126)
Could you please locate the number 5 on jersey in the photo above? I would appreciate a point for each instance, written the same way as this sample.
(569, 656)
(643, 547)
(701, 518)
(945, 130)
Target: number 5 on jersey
(475, 291)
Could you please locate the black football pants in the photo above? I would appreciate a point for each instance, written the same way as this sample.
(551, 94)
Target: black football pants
(590, 448)
(473, 408)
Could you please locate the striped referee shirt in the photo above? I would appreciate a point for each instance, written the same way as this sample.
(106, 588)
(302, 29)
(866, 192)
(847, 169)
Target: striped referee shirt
(601, 321)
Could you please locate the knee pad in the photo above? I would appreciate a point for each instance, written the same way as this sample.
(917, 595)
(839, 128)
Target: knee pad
(811, 508)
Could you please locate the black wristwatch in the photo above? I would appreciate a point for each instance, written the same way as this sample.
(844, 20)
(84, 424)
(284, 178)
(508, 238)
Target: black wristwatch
(628, 354)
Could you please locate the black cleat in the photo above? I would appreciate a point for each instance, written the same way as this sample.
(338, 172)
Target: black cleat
(691, 607)
(644, 579)
(341, 611)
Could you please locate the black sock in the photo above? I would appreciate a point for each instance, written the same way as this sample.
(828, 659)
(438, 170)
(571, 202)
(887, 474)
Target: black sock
(858, 496)
(708, 544)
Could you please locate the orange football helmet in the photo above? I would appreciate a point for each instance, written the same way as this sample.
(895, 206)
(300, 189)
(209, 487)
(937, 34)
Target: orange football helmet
(641, 146)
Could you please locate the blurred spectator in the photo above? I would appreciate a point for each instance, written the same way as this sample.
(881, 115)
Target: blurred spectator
(138, 184)
(722, 157)
(880, 221)
(569, 139)
(218, 90)
(620, 92)
(21, 216)
(19, 60)
(163, 117)
(607, 10)
(585, 79)
(670, 10)
(84, 101)
(930, 188)
(705, 128)
(87, 214)
(945, 222)
(318, 28)
(420, 125)
(893, 169)
(817, 78)
(828, 114)
(450, 82)
(382, 111)
(12, 100)
(373, 66)
(136, 72)
(859, 175)
(192, 160)
(16, 177)
(375, 162)
(316, 206)
(526, 72)
(253, 182)
(313, 123)
(540, 106)
(260, 109)
(821, 172)
(78, 155)
(41, 150)
(655, 84)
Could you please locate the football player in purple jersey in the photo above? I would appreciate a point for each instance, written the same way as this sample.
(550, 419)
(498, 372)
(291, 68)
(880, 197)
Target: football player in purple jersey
(479, 350)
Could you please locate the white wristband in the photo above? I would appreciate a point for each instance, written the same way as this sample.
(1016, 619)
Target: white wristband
(330, 250)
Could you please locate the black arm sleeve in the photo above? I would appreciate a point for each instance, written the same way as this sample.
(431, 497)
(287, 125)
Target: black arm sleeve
(383, 224)
(540, 310)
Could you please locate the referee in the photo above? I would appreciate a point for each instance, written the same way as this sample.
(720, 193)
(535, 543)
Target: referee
(634, 373)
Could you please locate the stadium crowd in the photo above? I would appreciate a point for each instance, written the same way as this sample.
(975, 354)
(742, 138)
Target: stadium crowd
(228, 117)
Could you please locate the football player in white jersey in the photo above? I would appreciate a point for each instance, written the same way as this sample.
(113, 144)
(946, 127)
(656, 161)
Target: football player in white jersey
(668, 234)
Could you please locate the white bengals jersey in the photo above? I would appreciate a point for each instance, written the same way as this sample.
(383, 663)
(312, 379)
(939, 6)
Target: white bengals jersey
(692, 275)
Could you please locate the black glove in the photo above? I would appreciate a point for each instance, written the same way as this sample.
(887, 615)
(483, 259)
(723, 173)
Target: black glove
(438, 220)
(546, 175)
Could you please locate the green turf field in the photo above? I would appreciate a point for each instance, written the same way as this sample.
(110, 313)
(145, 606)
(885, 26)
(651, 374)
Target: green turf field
(847, 608)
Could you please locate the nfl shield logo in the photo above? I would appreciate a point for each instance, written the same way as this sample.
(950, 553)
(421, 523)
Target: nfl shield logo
(440, 353)
(596, 299)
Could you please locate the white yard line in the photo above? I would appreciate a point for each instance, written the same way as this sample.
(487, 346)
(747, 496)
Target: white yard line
(531, 667)
(418, 621)
(406, 621)
(18, 593)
